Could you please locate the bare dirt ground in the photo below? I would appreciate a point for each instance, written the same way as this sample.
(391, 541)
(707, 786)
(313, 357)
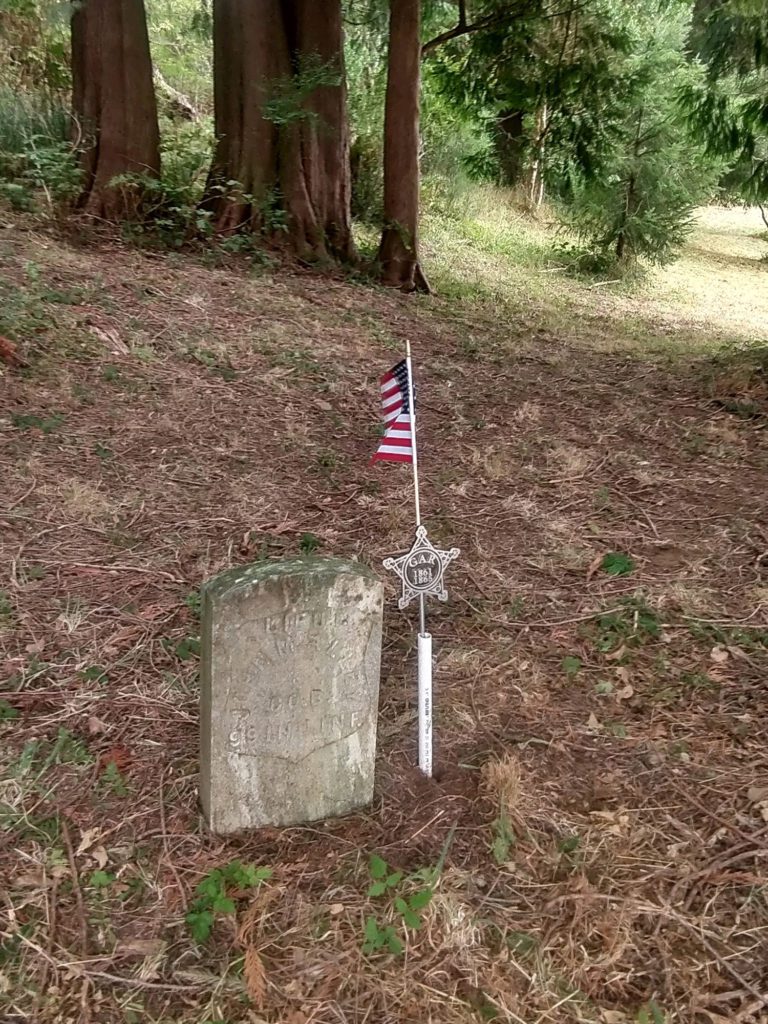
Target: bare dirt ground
(600, 811)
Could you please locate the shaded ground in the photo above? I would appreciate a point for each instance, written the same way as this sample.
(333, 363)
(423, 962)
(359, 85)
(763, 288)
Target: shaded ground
(602, 793)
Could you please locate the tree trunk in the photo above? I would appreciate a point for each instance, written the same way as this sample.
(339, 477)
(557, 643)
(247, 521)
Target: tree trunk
(535, 184)
(281, 124)
(114, 102)
(509, 144)
(398, 251)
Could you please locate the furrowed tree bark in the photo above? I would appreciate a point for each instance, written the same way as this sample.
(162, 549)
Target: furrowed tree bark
(281, 167)
(398, 251)
(113, 99)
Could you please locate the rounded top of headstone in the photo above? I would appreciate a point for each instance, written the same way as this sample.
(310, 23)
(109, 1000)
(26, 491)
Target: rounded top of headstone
(244, 577)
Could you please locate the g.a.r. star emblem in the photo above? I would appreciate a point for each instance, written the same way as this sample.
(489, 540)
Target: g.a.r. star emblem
(421, 569)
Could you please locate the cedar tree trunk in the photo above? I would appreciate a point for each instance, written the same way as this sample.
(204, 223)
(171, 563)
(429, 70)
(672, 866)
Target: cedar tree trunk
(281, 166)
(398, 251)
(114, 102)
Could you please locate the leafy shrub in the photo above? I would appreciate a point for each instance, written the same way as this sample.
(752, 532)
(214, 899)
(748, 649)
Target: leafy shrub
(217, 892)
(36, 156)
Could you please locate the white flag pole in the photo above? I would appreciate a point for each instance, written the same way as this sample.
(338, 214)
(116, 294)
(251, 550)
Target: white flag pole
(424, 638)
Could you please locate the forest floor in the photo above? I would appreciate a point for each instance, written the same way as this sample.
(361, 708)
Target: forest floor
(602, 664)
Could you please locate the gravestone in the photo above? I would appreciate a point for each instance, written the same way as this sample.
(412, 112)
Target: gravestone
(290, 663)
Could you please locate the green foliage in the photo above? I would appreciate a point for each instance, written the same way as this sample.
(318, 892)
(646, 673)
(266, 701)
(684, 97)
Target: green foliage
(407, 896)
(180, 34)
(7, 711)
(112, 780)
(631, 625)
(309, 543)
(184, 649)
(656, 170)
(95, 674)
(34, 45)
(216, 894)
(504, 838)
(29, 421)
(571, 665)
(68, 749)
(286, 103)
(617, 563)
(651, 1013)
(36, 158)
(729, 106)
(101, 879)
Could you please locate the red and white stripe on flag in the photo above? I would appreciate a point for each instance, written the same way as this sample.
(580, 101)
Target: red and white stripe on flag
(397, 443)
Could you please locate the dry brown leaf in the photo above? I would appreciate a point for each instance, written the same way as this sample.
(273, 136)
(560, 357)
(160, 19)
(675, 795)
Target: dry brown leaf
(32, 880)
(255, 976)
(100, 856)
(594, 565)
(87, 839)
(245, 932)
(617, 654)
(141, 947)
(110, 337)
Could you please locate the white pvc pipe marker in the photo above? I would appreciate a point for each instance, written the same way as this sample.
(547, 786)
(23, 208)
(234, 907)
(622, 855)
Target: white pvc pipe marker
(425, 703)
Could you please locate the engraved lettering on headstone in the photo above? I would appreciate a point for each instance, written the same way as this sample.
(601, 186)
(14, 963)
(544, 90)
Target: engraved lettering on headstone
(290, 668)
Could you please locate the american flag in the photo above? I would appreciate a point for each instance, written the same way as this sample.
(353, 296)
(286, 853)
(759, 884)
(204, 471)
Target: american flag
(397, 443)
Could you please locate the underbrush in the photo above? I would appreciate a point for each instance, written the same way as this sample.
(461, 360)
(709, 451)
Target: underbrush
(37, 160)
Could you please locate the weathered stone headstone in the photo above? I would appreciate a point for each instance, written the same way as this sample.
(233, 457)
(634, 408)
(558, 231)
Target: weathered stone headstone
(289, 692)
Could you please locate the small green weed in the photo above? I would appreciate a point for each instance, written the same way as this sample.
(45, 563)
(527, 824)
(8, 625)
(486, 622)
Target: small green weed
(212, 895)
(309, 543)
(603, 499)
(571, 665)
(193, 602)
(95, 674)
(184, 649)
(7, 711)
(631, 625)
(101, 879)
(28, 421)
(6, 610)
(209, 359)
(68, 749)
(651, 1013)
(504, 838)
(408, 895)
(112, 780)
(617, 563)
(102, 452)
(749, 639)
(570, 851)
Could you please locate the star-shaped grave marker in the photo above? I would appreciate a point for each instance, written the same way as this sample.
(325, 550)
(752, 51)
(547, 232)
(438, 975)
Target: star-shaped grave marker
(422, 569)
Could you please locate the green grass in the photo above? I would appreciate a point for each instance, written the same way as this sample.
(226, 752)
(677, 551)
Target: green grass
(486, 256)
(27, 115)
